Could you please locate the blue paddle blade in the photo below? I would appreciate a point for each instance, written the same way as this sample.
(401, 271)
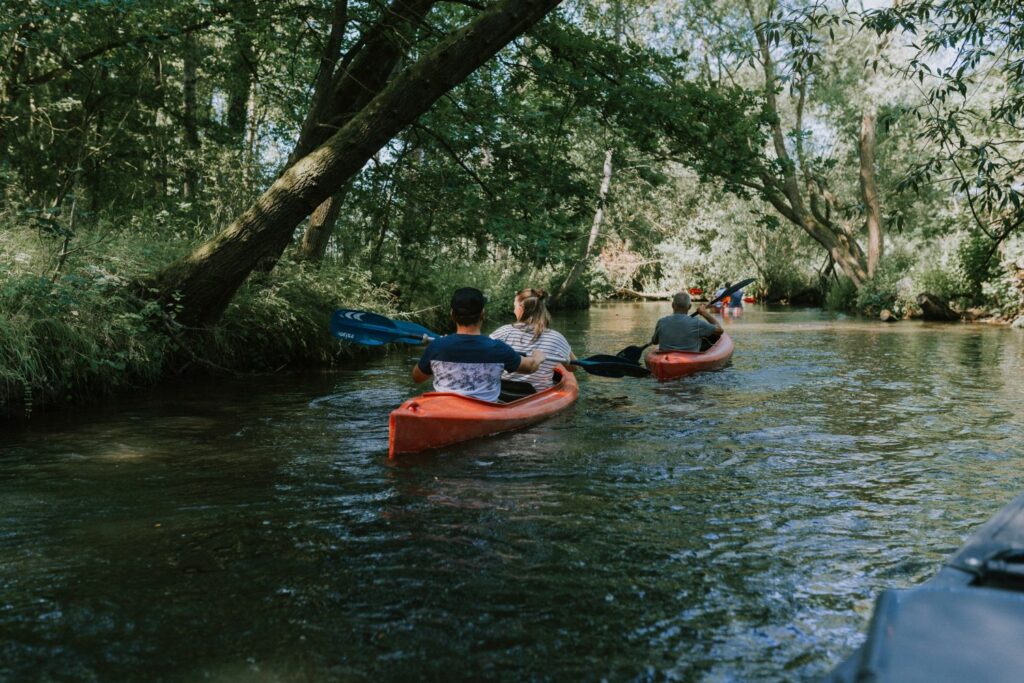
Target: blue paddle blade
(369, 329)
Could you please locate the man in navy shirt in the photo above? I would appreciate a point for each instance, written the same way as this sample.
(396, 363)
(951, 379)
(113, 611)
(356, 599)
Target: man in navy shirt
(468, 362)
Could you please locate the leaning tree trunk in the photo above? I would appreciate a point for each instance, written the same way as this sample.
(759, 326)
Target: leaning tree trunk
(204, 282)
(595, 227)
(344, 86)
(869, 191)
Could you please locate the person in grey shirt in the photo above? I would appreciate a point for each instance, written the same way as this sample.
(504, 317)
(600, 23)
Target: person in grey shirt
(680, 332)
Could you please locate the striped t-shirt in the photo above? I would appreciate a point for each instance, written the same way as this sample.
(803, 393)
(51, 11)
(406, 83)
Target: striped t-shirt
(552, 344)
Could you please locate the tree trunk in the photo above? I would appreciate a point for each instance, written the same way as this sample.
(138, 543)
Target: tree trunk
(784, 193)
(159, 172)
(189, 123)
(934, 308)
(344, 88)
(10, 91)
(321, 225)
(650, 296)
(340, 92)
(869, 190)
(243, 64)
(595, 227)
(205, 281)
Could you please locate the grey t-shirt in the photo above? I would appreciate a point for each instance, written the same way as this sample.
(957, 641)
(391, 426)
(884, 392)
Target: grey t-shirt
(680, 332)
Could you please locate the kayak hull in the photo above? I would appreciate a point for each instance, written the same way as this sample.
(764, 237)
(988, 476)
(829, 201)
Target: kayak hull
(437, 419)
(670, 365)
(966, 623)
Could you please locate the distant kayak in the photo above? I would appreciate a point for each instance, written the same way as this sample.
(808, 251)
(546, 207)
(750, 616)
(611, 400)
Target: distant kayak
(966, 623)
(669, 365)
(749, 300)
(437, 419)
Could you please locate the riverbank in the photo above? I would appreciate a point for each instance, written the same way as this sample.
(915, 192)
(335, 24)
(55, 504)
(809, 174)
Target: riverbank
(85, 336)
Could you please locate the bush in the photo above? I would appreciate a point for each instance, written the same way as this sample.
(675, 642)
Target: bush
(977, 264)
(429, 294)
(282, 318)
(841, 295)
(82, 336)
(940, 282)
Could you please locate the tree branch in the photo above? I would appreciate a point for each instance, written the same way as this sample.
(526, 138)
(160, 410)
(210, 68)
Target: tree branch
(455, 156)
(69, 64)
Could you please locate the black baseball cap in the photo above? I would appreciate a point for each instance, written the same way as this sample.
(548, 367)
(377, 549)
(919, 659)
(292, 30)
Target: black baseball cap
(468, 301)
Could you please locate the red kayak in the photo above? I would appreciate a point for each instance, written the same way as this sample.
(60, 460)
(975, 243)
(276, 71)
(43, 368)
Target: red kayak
(668, 365)
(749, 299)
(438, 419)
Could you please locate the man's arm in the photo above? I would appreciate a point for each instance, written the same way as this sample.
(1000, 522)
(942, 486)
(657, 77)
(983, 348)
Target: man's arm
(422, 371)
(706, 314)
(531, 363)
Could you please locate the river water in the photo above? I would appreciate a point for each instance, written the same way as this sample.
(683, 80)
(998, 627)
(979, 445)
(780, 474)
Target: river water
(734, 526)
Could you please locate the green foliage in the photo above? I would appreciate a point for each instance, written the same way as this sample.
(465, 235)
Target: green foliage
(281, 319)
(972, 104)
(887, 290)
(79, 337)
(940, 282)
(87, 335)
(499, 280)
(977, 264)
(841, 296)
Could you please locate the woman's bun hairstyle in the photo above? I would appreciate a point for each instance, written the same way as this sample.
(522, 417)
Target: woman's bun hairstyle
(536, 313)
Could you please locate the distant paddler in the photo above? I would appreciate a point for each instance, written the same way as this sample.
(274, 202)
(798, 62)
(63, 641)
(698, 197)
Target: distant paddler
(682, 332)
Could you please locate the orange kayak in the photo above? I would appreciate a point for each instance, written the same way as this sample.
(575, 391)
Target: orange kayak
(668, 365)
(437, 419)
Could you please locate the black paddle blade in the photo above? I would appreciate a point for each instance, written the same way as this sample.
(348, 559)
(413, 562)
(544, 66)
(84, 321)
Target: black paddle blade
(604, 365)
(631, 353)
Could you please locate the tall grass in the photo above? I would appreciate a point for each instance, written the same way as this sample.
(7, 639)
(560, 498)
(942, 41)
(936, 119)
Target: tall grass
(73, 336)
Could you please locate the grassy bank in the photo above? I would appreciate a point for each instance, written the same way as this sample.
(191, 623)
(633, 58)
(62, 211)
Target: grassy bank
(82, 333)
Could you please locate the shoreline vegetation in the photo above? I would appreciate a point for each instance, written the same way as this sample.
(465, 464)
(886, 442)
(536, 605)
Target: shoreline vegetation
(198, 194)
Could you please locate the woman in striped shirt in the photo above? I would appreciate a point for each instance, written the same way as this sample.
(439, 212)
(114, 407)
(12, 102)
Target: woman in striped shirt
(532, 331)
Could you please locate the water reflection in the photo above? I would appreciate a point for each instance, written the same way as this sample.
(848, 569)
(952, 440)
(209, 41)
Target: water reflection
(733, 526)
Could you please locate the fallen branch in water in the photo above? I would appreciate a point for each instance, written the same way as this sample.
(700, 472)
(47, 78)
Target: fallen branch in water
(651, 296)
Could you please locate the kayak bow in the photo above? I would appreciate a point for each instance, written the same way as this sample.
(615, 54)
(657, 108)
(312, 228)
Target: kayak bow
(437, 419)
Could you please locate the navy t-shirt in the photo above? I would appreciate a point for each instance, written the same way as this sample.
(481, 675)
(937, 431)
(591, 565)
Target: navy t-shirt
(469, 364)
